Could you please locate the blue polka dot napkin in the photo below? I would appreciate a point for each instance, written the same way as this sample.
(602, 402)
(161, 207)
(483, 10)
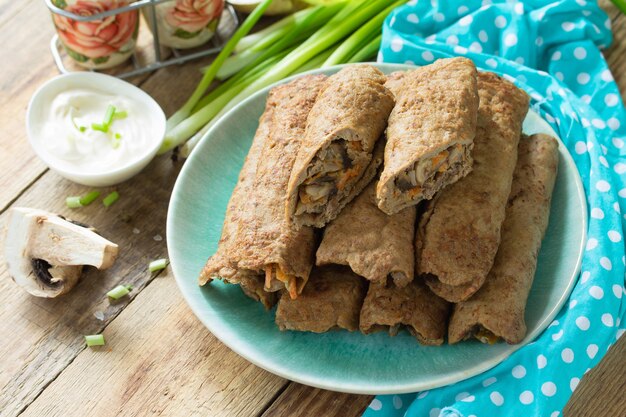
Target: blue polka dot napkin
(551, 49)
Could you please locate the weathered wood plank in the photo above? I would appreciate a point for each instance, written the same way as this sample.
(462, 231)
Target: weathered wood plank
(40, 337)
(302, 401)
(159, 360)
(29, 63)
(601, 391)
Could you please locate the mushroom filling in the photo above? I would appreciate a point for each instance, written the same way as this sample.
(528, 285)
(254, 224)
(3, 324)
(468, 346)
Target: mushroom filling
(426, 173)
(332, 169)
(276, 279)
(41, 268)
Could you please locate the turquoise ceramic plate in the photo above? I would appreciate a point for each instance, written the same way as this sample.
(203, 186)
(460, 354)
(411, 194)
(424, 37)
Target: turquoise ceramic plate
(339, 360)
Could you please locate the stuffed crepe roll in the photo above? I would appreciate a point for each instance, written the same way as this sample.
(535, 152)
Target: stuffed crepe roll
(497, 309)
(387, 307)
(257, 239)
(333, 163)
(374, 245)
(459, 233)
(331, 299)
(430, 133)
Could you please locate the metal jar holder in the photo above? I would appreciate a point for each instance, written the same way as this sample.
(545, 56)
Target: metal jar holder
(227, 25)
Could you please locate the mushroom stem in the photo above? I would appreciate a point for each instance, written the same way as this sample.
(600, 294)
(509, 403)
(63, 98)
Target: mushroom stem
(45, 252)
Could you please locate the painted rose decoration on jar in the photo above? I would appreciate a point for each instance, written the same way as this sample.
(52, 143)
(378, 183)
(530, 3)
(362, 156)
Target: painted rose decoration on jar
(186, 23)
(101, 43)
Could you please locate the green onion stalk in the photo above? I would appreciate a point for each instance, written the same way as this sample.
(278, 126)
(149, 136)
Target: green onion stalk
(208, 77)
(351, 17)
(320, 36)
(188, 146)
(297, 34)
(620, 4)
(360, 37)
(274, 31)
(369, 51)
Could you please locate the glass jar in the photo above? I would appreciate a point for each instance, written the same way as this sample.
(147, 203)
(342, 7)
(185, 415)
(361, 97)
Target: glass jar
(186, 23)
(97, 44)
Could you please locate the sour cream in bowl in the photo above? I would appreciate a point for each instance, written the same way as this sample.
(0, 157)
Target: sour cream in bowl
(94, 129)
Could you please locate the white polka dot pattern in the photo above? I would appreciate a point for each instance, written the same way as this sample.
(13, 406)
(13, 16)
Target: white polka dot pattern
(553, 53)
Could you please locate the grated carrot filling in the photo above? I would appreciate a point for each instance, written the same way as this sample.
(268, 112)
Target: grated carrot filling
(440, 157)
(347, 176)
(486, 336)
(268, 275)
(292, 288)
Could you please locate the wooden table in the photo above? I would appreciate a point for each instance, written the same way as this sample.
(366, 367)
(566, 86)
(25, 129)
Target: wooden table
(159, 359)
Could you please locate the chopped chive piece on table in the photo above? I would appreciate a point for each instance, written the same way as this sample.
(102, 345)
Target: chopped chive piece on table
(119, 291)
(100, 128)
(82, 129)
(95, 340)
(73, 202)
(110, 199)
(89, 198)
(157, 265)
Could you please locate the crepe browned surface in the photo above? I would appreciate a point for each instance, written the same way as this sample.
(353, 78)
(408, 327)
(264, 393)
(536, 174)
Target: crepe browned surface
(430, 132)
(269, 239)
(459, 234)
(248, 214)
(350, 114)
(387, 307)
(500, 304)
(331, 299)
(373, 244)
(223, 264)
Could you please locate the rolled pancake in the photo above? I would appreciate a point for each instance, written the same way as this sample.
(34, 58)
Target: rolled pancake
(331, 299)
(497, 309)
(273, 243)
(374, 245)
(459, 233)
(257, 241)
(348, 118)
(387, 307)
(430, 132)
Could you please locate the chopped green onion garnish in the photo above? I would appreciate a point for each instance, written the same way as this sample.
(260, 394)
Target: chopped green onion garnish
(100, 128)
(73, 202)
(82, 129)
(108, 116)
(89, 198)
(157, 265)
(120, 115)
(110, 199)
(118, 136)
(95, 340)
(119, 291)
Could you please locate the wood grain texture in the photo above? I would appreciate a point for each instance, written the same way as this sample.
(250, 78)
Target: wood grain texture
(30, 64)
(302, 401)
(158, 360)
(40, 337)
(601, 391)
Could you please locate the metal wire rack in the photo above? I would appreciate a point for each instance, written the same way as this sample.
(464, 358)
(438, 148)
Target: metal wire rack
(228, 24)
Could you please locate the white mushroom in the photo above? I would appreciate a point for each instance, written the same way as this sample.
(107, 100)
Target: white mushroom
(45, 253)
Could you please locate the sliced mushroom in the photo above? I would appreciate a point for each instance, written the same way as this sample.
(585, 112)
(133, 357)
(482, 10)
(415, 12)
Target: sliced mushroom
(45, 252)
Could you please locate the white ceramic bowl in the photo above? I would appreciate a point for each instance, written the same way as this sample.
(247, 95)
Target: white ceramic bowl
(107, 84)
